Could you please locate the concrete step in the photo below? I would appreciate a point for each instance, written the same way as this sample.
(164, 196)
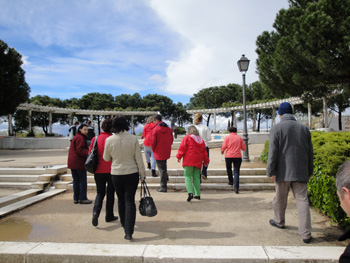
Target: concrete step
(28, 201)
(22, 171)
(19, 178)
(10, 199)
(16, 185)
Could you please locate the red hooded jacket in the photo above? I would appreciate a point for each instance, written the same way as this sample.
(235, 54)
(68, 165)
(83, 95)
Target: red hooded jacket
(161, 141)
(103, 167)
(147, 133)
(192, 150)
(78, 151)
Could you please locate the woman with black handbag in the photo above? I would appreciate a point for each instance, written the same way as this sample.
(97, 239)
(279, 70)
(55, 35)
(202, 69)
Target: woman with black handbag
(127, 169)
(102, 177)
(78, 151)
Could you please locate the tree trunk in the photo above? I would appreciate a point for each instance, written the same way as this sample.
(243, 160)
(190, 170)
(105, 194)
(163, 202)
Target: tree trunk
(259, 120)
(339, 119)
(208, 119)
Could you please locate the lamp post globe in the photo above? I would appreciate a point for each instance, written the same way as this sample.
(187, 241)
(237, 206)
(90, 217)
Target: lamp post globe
(243, 65)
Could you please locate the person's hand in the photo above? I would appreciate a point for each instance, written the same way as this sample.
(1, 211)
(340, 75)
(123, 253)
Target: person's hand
(178, 160)
(222, 152)
(142, 180)
(273, 178)
(205, 165)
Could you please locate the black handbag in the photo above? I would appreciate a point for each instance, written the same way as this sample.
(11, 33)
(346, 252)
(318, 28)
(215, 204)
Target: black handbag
(147, 206)
(92, 159)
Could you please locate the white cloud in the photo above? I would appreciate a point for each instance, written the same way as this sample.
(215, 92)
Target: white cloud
(217, 34)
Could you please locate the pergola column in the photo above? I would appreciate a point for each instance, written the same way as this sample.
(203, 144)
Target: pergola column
(91, 117)
(273, 117)
(30, 120)
(309, 115)
(50, 122)
(254, 119)
(10, 128)
(71, 116)
(215, 122)
(234, 119)
(132, 125)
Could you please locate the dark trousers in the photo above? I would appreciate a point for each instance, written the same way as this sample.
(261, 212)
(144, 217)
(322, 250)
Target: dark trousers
(205, 168)
(101, 181)
(163, 171)
(79, 184)
(236, 166)
(126, 186)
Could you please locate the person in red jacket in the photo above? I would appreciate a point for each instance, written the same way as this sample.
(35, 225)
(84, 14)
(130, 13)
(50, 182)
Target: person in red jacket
(78, 152)
(233, 144)
(146, 134)
(161, 141)
(193, 151)
(103, 177)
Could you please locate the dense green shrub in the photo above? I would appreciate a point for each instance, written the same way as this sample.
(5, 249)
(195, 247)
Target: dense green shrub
(181, 130)
(330, 151)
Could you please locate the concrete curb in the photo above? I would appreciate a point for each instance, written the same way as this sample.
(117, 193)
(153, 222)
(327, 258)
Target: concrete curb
(81, 252)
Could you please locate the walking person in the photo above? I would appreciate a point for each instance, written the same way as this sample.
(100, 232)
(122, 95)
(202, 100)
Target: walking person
(91, 133)
(161, 141)
(192, 151)
(290, 164)
(103, 178)
(73, 130)
(233, 145)
(127, 169)
(343, 191)
(78, 152)
(205, 134)
(146, 135)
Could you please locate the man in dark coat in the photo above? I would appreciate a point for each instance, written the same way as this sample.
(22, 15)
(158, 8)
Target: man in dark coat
(290, 164)
(343, 191)
(161, 141)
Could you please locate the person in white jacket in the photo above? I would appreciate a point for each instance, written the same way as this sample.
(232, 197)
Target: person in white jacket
(205, 134)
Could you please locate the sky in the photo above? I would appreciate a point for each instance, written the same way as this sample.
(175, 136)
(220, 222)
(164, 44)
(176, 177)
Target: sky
(168, 47)
(173, 48)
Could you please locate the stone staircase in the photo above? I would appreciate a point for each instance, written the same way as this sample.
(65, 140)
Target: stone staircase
(253, 179)
(29, 185)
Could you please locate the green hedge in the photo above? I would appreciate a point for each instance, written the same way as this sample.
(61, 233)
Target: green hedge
(330, 151)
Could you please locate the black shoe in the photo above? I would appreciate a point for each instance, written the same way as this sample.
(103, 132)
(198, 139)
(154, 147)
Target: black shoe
(197, 197)
(236, 191)
(149, 166)
(230, 183)
(162, 190)
(273, 223)
(190, 197)
(85, 202)
(110, 219)
(128, 237)
(204, 177)
(308, 240)
(76, 201)
(94, 219)
(154, 173)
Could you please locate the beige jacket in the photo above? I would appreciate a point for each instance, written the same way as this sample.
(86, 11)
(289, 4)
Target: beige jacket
(124, 150)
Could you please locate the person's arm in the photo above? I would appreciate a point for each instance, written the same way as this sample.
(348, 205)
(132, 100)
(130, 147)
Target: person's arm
(92, 144)
(224, 145)
(208, 134)
(182, 149)
(139, 160)
(273, 154)
(106, 155)
(154, 139)
(243, 146)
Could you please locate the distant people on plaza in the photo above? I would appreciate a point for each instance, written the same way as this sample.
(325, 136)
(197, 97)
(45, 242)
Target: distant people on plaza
(232, 146)
(343, 191)
(78, 152)
(205, 134)
(146, 135)
(290, 164)
(176, 131)
(91, 132)
(161, 140)
(192, 151)
(127, 169)
(73, 130)
(102, 177)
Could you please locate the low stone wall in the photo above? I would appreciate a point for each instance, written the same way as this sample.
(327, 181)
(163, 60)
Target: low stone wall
(63, 142)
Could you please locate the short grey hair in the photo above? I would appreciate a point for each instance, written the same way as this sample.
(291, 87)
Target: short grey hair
(343, 177)
(192, 130)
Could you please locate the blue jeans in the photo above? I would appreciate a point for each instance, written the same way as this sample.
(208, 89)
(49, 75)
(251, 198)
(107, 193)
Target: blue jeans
(149, 154)
(126, 186)
(79, 184)
(236, 166)
(205, 168)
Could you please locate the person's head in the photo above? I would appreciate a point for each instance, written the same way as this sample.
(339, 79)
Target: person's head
(157, 118)
(192, 130)
(343, 186)
(284, 108)
(107, 125)
(89, 123)
(232, 129)
(76, 123)
(83, 129)
(150, 119)
(119, 124)
(198, 118)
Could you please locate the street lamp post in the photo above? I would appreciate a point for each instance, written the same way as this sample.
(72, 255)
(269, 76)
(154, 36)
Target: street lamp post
(243, 65)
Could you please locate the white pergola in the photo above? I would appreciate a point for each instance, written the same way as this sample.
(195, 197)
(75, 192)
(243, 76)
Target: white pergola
(273, 105)
(72, 112)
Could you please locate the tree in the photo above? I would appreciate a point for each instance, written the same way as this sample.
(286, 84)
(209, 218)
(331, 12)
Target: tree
(180, 115)
(309, 51)
(13, 88)
(160, 103)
